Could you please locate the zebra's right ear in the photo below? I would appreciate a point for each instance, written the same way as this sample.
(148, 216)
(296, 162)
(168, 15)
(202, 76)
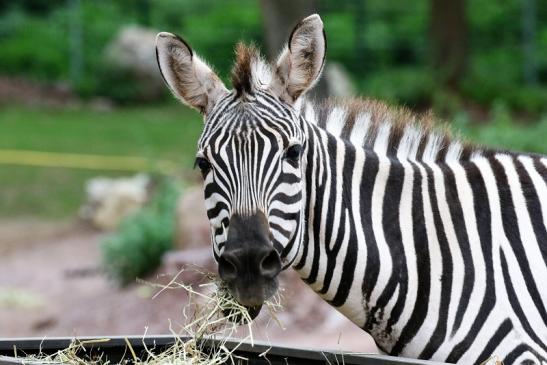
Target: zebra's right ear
(186, 75)
(300, 64)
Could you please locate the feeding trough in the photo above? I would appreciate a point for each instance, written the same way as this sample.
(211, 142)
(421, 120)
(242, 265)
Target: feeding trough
(119, 349)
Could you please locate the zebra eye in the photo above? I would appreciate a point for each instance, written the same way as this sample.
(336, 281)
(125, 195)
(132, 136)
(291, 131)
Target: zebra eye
(203, 165)
(293, 152)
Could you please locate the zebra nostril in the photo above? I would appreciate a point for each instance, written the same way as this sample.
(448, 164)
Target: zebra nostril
(227, 268)
(270, 265)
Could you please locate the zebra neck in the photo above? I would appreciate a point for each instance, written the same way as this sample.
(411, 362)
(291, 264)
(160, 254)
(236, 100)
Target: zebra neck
(334, 256)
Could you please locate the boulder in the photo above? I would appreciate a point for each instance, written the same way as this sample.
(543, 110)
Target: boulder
(109, 200)
(131, 58)
(338, 81)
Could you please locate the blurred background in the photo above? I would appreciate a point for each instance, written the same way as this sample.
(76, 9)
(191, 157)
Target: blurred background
(96, 179)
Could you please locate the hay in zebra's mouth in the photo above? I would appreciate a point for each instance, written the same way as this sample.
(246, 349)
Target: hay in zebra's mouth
(211, 313)
(235, 314)
(219, 300)
(239, 313)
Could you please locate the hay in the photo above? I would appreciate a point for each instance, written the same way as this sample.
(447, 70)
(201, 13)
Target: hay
(492, 360)
(211, 314)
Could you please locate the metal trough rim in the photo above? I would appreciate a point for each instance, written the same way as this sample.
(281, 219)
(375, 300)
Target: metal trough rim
(7, 346)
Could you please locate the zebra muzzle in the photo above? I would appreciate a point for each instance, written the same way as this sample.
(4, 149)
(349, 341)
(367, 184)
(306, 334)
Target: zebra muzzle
(249, 264)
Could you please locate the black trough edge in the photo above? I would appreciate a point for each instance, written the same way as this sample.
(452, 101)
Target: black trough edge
(116, 343)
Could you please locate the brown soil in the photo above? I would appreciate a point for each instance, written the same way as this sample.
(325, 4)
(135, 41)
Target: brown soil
(27, 92)
(50, 285)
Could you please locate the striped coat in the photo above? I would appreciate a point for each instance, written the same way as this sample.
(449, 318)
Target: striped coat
(434, 246)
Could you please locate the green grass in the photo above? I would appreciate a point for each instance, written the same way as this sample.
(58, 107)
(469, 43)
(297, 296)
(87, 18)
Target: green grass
(166, 132)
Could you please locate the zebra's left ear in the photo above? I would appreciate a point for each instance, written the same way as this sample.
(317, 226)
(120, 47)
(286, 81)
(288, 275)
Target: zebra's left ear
(301, 63)
(189, 78)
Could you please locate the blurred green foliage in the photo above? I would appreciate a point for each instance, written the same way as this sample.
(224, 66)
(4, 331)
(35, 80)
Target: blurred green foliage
(141, 240)
(384, 44)
(415, 86)
(501, 131)
(37, 46)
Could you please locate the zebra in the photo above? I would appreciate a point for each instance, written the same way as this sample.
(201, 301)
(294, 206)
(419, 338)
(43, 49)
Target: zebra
(434, 246)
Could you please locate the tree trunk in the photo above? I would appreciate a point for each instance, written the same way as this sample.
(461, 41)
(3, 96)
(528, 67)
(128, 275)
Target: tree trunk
(529, 14)
(449, 40)
(280, 17)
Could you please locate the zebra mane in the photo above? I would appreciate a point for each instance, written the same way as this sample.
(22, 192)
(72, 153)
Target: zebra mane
(393, 131)
(250, 70)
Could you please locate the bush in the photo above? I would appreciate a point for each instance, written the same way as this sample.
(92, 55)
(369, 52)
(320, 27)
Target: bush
(531, 99)
(34, 47)
(408, 86)
(137, 247)
(502, 131)
(492, 74)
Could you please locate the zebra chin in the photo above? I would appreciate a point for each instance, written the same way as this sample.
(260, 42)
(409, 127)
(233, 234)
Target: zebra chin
(252, 297)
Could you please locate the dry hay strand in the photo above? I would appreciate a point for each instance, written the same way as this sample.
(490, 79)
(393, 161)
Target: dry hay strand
(211, 316)
(492, 360)
(71, 355)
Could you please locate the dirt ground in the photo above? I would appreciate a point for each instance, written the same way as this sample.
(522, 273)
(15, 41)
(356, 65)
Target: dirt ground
(50, 285)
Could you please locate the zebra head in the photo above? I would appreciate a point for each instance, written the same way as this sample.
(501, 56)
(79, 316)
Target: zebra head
(252, 153)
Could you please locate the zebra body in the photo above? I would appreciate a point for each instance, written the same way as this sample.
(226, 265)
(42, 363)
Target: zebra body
(410, 256)
(433, 246)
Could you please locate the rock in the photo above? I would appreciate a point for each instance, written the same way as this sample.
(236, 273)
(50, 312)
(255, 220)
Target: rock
(134, 48)
(20, 298)
(192, 225)
(338, 81)
(133, 53)
(110, 200)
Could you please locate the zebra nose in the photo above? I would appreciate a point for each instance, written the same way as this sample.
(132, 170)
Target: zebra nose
(270, 264)
(262, 261)
(227, 266)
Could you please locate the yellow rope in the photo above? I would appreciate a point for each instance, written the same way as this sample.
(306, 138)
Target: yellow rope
(84, 161)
